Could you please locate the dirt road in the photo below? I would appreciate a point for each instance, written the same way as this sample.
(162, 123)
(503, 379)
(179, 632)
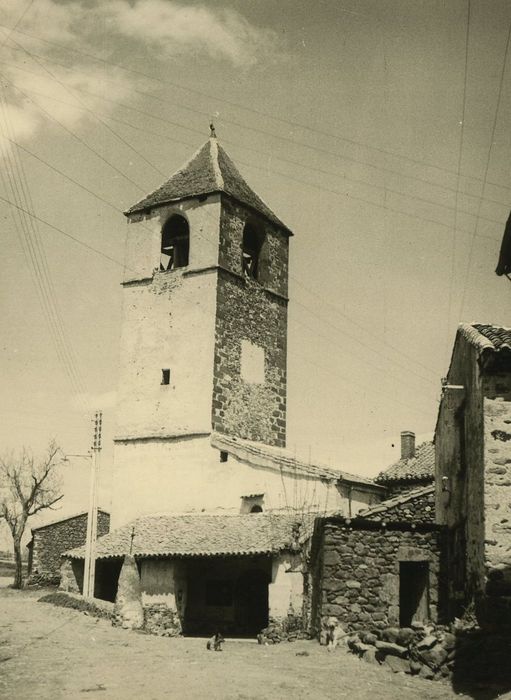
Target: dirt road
(49, 653)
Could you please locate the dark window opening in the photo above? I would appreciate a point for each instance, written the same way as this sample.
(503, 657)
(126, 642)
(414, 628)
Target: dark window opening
(224, 456)
(165, 376)
(219, 593)
(175, 243)
(252, 504)
(252, 244)
(413, 592)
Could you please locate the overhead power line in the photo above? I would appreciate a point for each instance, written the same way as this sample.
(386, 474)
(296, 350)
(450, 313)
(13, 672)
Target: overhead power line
(237, 105)
(486, 169)
(329, 153)
(295, 279)
(256, 167)
(460, 156)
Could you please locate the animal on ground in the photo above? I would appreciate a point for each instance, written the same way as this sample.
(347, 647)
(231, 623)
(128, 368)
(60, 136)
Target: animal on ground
(215, 643)
(334, 632)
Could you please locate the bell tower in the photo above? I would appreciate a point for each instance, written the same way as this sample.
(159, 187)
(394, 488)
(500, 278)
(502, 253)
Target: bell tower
(204, 330)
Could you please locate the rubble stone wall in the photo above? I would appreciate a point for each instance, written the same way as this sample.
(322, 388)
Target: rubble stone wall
(50, 542)
(419, 509)
(357, 573)
(254, 311)
(494, 607)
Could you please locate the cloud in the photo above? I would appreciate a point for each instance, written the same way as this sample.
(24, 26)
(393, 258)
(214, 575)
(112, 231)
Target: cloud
(174, 28)
(34, 85)
(45, 19)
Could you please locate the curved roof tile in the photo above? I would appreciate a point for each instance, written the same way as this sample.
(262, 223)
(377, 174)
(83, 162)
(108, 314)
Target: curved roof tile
(203, 535)
(421, 467)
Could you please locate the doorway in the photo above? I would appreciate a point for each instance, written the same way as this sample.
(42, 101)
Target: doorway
(251, 599)
(227, 595)
(413, 592)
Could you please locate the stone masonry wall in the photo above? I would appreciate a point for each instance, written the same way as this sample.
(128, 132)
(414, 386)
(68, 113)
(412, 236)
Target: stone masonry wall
(253, 311)
(51, 541)
(495, 607)
(358, 573)
(421, 509)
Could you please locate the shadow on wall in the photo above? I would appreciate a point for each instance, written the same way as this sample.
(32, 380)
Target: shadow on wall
(482, 662)
(482, 668)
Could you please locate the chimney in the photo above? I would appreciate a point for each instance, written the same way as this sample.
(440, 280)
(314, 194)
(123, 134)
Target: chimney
(407, 444)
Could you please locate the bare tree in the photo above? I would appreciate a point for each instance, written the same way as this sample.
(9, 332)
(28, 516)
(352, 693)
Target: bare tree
(27, 486)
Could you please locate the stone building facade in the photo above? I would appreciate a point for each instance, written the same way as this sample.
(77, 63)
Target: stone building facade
(384, 568)
(50, 541)
(473, 472)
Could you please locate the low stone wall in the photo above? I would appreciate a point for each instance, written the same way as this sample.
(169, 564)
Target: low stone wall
(426, 651)
(161, 620)
(288, 629)
(357, 572)
(91, 606)
(462, 653)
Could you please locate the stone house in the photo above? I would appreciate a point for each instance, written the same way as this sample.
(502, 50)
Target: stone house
(384, 568)
(415, 468)
(51, 540)
(473, 473)
(202, 403)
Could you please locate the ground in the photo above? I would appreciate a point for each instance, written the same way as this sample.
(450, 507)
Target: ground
(52, 653)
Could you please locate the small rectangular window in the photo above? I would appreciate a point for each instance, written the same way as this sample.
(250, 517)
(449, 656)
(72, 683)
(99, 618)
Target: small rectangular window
(165, 376)
(224, 456)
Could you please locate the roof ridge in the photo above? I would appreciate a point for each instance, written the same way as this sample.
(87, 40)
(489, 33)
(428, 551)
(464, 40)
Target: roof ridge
(288, 460)
(213, 145)
(396, 500)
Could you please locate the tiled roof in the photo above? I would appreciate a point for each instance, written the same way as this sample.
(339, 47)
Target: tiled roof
(417, 468)
(391, 503)
(209, 170)
(202, 535)
(485, 336)
(261, 455)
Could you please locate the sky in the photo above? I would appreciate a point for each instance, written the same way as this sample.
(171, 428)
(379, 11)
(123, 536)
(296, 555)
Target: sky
(377, 130)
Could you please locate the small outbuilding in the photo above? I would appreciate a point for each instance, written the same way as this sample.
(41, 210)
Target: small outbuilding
(384, 568)
(51, 540)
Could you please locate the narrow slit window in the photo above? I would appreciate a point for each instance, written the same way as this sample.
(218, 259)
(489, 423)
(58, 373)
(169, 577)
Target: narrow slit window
(224, 456)
(165, 376)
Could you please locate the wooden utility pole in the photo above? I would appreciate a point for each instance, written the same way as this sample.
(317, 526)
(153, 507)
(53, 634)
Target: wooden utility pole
(92, 518)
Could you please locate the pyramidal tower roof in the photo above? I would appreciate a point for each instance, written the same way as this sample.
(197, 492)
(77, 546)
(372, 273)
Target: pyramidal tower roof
(209, 170)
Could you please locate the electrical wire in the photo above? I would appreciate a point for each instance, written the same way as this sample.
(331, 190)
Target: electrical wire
(253, 110)
(289, 161)
(486, 169)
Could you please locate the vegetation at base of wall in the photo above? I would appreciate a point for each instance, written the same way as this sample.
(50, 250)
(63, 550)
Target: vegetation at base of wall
(67, 600)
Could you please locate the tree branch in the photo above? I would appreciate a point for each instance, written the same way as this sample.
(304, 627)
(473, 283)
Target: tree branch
(45, 504)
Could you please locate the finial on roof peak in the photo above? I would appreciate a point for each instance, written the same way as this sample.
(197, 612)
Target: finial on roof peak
(212, 132)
